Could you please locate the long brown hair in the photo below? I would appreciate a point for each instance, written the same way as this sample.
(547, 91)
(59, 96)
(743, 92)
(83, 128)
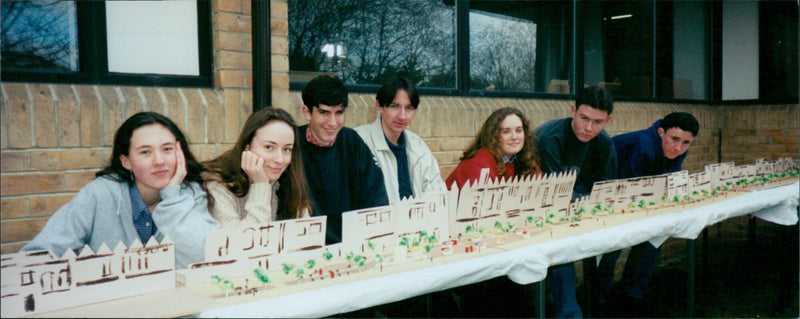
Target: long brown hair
(489, 138)
(293, 196)
(122, 144)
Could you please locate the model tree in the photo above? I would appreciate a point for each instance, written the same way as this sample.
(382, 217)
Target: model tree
(299, 272)
(261, 276)
(549, 217)
(404, 242)
(379, 258)
(223, 283)
(430, 241)
(287, 268)
(310, 264)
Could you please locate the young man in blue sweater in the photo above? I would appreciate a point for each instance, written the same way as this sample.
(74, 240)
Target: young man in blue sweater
(659, 149)
(341, 171)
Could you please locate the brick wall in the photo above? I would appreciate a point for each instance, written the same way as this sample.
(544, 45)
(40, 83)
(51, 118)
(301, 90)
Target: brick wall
(53, 138)
(759, 131)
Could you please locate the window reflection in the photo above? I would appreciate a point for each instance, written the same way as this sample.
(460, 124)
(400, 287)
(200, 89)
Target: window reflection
(618, 46)
(502, 52)
(39, 35)
(688, 57)
(368, 42)
(634, 48)
(620, 53)
(522, 47)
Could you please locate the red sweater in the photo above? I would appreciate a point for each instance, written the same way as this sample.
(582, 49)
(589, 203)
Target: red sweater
(470, 169)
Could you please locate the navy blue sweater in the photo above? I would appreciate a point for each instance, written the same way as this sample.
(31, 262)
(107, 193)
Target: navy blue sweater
(341, 178)
(640, 154)
(560, 151)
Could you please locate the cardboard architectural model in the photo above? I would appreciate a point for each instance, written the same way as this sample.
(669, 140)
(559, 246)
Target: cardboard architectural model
(385, 227)
(239, 250)
(36, 282)
(484, 214)
(488, 212)
(515, 201)
(684, 188)
(264, 260)
(379, 236)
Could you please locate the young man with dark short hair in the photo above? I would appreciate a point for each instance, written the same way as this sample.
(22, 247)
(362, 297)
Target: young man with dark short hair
(408, 166)
(657, 150)
(341, 171)
(578, 142)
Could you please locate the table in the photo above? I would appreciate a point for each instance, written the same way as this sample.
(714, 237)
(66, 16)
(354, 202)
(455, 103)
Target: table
(524, 265)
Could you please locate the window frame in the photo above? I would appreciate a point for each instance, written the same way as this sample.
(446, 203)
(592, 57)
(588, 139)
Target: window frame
(93, 55)
(462, 85)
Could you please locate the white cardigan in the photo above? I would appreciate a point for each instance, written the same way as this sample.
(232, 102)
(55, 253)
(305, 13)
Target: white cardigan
(422, 166)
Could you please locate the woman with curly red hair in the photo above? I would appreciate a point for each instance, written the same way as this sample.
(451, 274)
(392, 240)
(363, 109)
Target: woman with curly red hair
(505, 145)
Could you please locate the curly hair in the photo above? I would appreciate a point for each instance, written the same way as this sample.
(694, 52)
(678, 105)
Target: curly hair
(489, 138)
(226, 168)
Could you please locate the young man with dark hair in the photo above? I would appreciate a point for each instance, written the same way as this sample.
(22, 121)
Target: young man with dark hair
(409, 168)
(657, 150)
(342, 173)
(578, 142)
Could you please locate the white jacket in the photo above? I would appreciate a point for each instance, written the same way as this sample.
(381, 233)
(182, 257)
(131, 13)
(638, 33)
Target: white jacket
(422, 166)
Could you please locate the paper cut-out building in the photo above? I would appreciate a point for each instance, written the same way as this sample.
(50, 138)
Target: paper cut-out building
(36, 282)
(240, 250)
(480, 204)
(385, 226)
(514, 200)
(620, 193)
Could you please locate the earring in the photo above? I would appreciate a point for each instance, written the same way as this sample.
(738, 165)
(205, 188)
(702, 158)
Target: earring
(132, 178)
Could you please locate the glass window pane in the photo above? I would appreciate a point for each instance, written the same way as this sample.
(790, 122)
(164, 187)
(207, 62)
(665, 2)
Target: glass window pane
(618, 46)
(39, 35)
(156, 37)
(778, 52)
(521, 46)
(368, 41)
(683, 71)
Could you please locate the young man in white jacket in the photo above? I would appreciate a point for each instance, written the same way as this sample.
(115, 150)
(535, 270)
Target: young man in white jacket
(408, 166)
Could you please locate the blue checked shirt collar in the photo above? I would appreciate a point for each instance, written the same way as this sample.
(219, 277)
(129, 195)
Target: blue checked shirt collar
(142, 220)
(507, 159)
